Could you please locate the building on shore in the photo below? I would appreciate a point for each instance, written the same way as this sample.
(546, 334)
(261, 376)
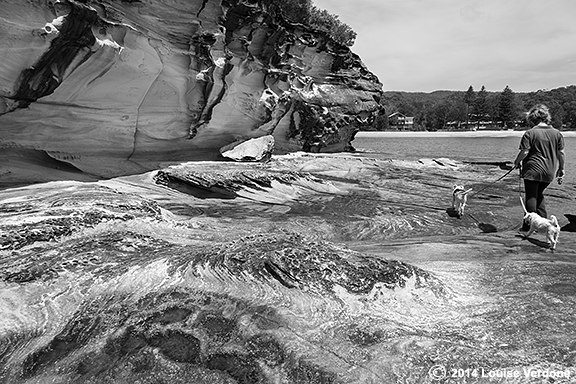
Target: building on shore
(400, 122)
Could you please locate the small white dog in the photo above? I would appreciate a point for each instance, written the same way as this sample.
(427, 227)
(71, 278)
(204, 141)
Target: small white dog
(459, 199)
(538, 223)
(541, 224)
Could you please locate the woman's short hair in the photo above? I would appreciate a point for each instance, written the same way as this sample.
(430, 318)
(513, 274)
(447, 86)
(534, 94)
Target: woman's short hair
(539, 114)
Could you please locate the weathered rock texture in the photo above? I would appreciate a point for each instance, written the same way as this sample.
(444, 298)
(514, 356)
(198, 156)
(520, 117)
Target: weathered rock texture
(280, 272)
(258, 149)
(115, 87)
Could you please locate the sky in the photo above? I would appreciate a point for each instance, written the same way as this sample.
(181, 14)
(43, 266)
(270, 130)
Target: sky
(428, 45)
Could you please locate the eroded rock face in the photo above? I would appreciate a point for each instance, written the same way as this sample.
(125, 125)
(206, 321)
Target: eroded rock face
(114, 87)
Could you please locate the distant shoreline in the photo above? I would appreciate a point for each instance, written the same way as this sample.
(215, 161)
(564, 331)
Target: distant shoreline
(450, 134)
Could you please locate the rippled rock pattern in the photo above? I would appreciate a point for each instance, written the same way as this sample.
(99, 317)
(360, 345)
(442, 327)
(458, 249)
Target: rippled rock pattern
(116, 87)
(309, 268)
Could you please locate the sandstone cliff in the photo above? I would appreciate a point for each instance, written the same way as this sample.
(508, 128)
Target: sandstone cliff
(116, 87)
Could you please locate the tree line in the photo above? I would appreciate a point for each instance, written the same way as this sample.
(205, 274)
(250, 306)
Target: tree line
(305, 12)
(466, 109)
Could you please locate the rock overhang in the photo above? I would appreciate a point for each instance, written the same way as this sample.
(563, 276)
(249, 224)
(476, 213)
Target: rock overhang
(132, 84)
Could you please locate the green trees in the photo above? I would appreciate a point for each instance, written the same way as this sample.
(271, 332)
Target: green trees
(507, 108)
(469, 99)
(481, 110)
(562, 104)
(439, 116)
(303, 11)
(476, 105)
(381, 123)
(570, 118)
(448, 111)
(327, 22)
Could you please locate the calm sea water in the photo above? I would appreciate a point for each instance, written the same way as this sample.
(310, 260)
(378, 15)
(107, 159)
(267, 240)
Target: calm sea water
(463, 146)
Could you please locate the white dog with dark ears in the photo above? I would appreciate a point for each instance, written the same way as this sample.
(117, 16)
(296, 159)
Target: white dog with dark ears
(541, 224)
(459, 199)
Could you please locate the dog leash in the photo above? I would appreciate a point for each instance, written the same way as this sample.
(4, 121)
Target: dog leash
(493, 182)
(520, 193)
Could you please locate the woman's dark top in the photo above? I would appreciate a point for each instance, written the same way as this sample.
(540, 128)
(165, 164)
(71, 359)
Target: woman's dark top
(543, 142)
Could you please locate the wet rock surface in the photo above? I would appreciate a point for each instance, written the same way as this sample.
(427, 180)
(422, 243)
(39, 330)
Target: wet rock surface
(309, 268)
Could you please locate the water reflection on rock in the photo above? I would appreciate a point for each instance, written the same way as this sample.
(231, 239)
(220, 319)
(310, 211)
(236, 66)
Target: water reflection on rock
(306, 269)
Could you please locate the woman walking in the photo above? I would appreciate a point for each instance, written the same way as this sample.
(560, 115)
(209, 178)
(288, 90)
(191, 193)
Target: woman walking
(541, 159)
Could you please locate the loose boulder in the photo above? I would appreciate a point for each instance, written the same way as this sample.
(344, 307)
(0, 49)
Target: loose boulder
(257, 149)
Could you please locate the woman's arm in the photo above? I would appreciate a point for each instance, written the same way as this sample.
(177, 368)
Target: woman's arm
(521, 156)
(560, 172)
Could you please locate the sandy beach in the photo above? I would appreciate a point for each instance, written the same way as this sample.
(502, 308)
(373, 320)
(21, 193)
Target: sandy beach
(451, 134)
